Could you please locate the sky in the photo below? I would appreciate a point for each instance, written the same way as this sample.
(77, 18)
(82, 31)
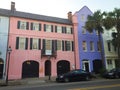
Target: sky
(59, 8)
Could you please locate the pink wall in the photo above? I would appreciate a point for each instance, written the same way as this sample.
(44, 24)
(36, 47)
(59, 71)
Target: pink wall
(19, 56)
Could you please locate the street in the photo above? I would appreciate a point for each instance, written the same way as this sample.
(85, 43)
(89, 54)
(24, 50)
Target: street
(102, 84)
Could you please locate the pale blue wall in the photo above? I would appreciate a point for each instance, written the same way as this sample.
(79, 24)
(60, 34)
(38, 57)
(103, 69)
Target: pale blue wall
(4, 26)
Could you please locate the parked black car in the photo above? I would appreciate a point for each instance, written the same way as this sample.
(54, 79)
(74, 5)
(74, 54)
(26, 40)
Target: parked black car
(74, 75)
(114, 73)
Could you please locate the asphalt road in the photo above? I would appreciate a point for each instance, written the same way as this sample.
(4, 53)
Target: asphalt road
(104, 84)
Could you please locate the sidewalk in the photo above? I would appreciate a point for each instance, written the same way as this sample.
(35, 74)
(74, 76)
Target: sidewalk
(28, 81)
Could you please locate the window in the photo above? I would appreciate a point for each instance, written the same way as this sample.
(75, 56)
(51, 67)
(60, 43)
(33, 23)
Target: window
(48, 28)
(109, 46)
(68, 30)
(59, 45)
(21, 43)
(83, 30)
(109, 61)
(98, 46)
(91, 46)
(35, 26)
(23, 25)
(58, 29)
(35, 43)
(96, 32)
(82, 17)
(84, 45)
(69, 45)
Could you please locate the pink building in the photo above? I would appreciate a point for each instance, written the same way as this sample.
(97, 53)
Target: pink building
(41, 45)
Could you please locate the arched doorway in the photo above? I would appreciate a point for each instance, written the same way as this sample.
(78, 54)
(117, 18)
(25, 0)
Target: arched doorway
(86, 65)
(63, 66)
(97, 66)
(30, 69)
(48, 68)
(1, 67)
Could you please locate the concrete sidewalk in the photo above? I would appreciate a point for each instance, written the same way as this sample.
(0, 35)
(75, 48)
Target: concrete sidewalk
(28, 81)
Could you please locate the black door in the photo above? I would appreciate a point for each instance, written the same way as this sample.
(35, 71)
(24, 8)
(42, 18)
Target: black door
(47, 68)
(87, 66)
(30, 69)
(97, 66)
(63, 66)
(1, 68)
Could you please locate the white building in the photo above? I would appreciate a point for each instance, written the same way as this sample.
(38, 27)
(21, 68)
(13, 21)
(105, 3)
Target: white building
(111, 55)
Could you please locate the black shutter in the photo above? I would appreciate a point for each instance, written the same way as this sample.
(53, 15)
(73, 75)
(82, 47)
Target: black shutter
(43, 46)
(44, 27)
(18, 25)
(65, 29)
(62, 29)
(55, 45)
(51, 28)
(26, 44)
(31, 26)
(39, 27)
(39, 44)
(27, 26)
(31, 41)
(71, 30)
(63, 46)
(17, 42)
(66, 46)
(55, 28)
(72, 46)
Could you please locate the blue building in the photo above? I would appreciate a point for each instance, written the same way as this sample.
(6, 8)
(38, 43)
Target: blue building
(89, 47)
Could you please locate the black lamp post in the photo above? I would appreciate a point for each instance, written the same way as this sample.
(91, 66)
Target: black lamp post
(9, 50)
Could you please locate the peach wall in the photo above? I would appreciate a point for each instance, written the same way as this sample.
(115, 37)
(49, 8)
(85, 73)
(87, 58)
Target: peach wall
(19, 56)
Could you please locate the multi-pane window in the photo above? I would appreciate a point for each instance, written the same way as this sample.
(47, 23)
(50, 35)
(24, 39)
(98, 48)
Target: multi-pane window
(83, 30)
(21, 43)
(69, 45)
(84, 45)
(35, 43)
(23, 25)
(82, 17)
(91, 46)
(58, 29)
(36, 26)
(48, 28)
(68, 30)
(109, 61)
(109, 46)
(59, 45)
(98, 46)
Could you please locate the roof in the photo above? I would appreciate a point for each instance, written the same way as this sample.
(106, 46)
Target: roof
(19, 14)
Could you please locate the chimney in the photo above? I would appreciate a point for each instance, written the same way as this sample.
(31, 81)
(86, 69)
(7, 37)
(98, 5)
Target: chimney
(12, 6)
(70, 16)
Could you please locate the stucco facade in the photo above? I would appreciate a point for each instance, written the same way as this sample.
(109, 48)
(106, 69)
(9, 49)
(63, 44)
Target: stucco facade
(90, 56)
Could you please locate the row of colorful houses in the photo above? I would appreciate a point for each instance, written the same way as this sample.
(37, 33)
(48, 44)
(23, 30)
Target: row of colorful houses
(44, 45)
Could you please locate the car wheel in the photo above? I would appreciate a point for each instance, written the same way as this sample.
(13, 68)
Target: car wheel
(116, 76)
(66, 80)
(87, 78)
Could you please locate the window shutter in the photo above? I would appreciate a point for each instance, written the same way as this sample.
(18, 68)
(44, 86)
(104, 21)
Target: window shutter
(31, 41)
(62, 29)
(53, 46)
(44, 27)
(31, 26)
(18, 25)
(43, 46)
(39, 27)
(39, 44)
(72, 46)
(17, 42)
(55, 28)
(66, 46)
(63, 46)
(27, 26)
(51, 28)
(65, 29)
(26, 44)
(71, 30)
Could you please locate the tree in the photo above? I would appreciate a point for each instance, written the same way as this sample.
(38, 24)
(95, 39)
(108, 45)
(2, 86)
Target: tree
(112, 19)
(94, 22)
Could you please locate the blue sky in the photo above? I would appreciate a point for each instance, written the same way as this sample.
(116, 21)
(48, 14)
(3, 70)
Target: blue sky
(60, 8)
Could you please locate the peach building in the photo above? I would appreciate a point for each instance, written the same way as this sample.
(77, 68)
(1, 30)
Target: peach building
(41, 45)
